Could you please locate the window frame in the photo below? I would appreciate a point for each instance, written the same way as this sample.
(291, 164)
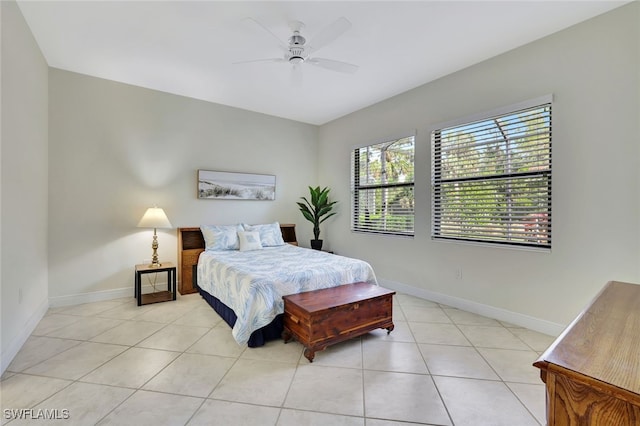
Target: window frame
(437, 184)
(356, 186)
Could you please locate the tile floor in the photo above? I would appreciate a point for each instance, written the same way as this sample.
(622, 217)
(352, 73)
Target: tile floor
(175, 363)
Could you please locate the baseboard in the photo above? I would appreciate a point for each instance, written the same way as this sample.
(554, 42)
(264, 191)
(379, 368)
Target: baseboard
(526, 321)
(98, 296)
(14, 347)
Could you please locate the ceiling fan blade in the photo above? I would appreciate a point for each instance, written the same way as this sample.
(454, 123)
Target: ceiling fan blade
(260, 60)
(296, 75)
(332, 65)
(329, 34)
(282, 45)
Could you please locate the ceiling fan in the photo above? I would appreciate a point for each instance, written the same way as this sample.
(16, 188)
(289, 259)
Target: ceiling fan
(298, 51)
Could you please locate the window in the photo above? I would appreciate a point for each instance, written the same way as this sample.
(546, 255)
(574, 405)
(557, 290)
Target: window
(382, 185)
(491, 179)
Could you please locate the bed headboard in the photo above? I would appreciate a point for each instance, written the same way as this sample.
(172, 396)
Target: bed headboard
(191, 244)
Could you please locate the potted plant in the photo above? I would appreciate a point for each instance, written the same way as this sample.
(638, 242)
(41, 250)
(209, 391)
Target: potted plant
(317, 211)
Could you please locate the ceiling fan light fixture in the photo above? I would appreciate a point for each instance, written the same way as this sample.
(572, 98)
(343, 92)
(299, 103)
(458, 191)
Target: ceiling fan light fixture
(295, 60)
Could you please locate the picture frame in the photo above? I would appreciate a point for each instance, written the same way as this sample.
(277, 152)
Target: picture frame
(215, 185)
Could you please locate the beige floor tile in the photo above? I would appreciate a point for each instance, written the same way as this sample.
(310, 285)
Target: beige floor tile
(420, 314)
(403, 397)
(401, 333)
(225, 413)
(327, 389)
(344, 354)
(407, 300)
(25, 391)
(256, 382)
(166, 312)
(6, 375)
(88, 309)
(52, 322)
(513, 366)
(482, 336)
(457, 361)
(275, 350)
(380, 422)
(37, 349)
(218, 341)
(132, 368)
(393, 356)
(129, 333)
(468, 318)
(146, 408)
(77, 361)
(201, 317)
(537, 341)
(86, 403)
(126, 311)
(398, 314)
(482, 403)
(439, 334)
(192, 299)
(533, 397)
(308, 418)
(174, 338)
(191, 375)
(86, 328)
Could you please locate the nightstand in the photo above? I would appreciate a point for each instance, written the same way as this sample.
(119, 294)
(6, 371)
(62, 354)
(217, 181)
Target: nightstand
(158, 296)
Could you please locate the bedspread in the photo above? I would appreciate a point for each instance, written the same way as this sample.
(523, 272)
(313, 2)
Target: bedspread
(252, 283)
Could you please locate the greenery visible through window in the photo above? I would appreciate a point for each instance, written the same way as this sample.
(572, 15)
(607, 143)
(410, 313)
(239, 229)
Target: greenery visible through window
(382, 185)
(491, 179)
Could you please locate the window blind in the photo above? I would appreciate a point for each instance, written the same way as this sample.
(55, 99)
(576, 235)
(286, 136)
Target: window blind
(491, 179)
(383, 187)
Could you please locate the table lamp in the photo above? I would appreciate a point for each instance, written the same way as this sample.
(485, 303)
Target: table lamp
(154, 218)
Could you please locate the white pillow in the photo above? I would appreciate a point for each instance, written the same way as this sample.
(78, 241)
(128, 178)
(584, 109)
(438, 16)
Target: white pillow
(249, 240)
(270, 234)
(221, 237)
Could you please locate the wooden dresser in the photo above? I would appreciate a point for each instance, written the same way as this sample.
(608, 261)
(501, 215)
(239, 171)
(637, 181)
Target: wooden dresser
(592, 371)
(191, 244)
(320, 318)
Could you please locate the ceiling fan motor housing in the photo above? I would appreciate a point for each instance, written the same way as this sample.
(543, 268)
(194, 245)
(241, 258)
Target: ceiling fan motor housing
(296, 48)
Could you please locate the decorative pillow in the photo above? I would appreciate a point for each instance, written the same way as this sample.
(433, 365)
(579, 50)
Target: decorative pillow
(221, 237)
(270, 234)
(249, 240)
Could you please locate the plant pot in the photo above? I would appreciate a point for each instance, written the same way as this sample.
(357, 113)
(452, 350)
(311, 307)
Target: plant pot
(316, 244)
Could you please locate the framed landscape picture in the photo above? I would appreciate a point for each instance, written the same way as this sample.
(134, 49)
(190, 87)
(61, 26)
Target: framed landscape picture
(235, 186)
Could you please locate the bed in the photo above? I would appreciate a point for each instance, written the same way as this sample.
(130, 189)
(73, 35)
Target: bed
(245, 287)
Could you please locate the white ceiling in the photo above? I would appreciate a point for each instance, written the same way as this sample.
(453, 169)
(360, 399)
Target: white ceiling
(189, 48)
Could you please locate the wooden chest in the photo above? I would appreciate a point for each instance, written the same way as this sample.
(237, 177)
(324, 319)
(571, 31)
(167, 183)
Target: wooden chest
(321, 318)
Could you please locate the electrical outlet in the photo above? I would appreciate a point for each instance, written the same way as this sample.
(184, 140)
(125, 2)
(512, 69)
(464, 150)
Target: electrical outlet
(458, 273)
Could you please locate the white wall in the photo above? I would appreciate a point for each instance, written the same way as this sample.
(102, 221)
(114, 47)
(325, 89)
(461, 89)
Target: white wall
(117, 149)
(593, 71)
(23, 285)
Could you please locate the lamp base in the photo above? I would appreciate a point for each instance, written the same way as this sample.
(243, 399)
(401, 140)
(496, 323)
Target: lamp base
(154, 258)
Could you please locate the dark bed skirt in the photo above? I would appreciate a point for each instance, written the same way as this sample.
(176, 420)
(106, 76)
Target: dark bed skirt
(271, 331)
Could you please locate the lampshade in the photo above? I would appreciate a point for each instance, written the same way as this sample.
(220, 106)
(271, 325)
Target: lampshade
(154, 217)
